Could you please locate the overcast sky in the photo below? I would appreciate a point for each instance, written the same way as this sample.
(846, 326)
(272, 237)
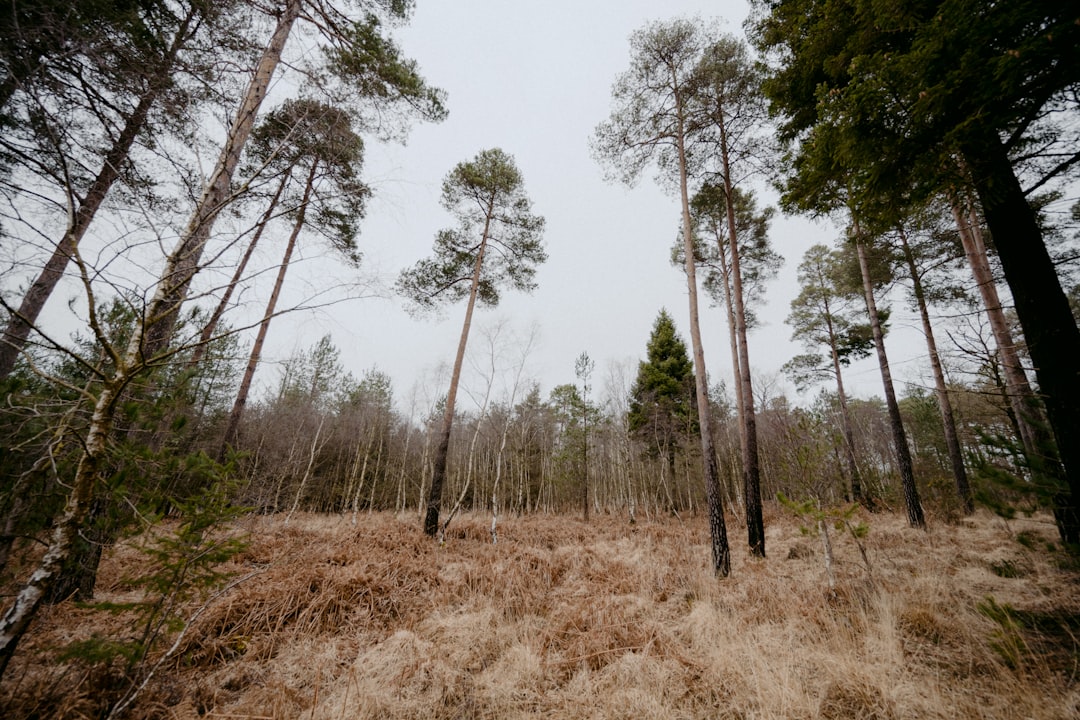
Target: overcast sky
(534, 79)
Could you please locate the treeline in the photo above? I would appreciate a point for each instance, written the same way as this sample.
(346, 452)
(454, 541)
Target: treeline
(321, 440)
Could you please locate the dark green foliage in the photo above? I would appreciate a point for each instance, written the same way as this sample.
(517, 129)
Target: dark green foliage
(662, 397)
(1006, 483)
(487, 197)
(181, 566)
(758, 261)
(372, 67)
(302, 132)
(829, 313)
(885, 107)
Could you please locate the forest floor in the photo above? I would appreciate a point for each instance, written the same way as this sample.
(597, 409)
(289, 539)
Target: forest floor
(605, 619)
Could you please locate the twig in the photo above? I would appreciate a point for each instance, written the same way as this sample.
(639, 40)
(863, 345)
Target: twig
(135, 690)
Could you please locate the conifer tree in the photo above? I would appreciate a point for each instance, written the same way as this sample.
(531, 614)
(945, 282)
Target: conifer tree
(497, 242)
(661, 411)
(655, 120)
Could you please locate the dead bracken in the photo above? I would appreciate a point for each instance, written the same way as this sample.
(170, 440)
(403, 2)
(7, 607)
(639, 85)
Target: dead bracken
(606, 619)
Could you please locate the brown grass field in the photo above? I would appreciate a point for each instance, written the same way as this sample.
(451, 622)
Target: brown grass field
(563, 619)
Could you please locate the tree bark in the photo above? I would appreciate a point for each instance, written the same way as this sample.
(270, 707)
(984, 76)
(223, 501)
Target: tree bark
(721, 554)
(229, 437)
(66, 530)
(903, 454)
(857, 494)
(23, 321)
(211, 324)
(1053, 338)
(1020, 396)
(948, 420)
(438, 472)
(755, 525)
(184, 261)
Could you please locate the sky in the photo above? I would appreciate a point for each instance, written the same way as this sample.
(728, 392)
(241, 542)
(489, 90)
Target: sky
(534, 79)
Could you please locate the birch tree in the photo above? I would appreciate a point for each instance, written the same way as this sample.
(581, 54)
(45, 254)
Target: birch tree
(497, 242)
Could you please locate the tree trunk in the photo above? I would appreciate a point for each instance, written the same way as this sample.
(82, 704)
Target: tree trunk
(755, 525)
(1053, 338)
(211, 325)
(184, 261)
(438, 472)
(721, 554)
(1022, 405)
(1018, 391)
(67, 528)
(903, 454)
(229, 437)
(23, 321)
(733, 338)
(948, 421)
(857, 494)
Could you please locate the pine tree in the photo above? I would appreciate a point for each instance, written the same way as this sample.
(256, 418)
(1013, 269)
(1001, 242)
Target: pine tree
(498, 241)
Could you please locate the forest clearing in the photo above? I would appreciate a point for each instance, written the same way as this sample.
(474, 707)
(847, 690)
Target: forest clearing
(606, 619)
(267, 452)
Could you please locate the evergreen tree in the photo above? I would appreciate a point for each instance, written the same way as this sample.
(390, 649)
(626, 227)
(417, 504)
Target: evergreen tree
(656, 118)
(498, 241)
(826, 313)
(896, 103)
(662, 409)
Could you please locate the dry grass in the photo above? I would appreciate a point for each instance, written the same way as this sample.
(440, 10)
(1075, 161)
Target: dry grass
(564, 619)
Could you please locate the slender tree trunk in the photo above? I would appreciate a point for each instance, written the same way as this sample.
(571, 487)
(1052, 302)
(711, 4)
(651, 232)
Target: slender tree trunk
(1053, 339)
(238, 274)
(184, 261)
(229, 437)
(903, 454)
(755, 524)
(733, 337)
(307, 470)
(1018, 390)
(438, 473)
(857, 494)
(22, 322)
(67, 528)
(1023, 406)
(948, 421)
(721, 554)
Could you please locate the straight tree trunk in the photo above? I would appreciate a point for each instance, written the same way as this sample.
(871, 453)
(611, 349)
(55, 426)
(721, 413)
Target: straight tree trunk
(916, 519)
(23, 321)
(1019, 393)
(229, 437)
(1053, 339)
(438, 472)
(1026, 412)
(948, 420)
(184, 261)
(721, 554)
(733, 338)
(857, 494)
(755, 525)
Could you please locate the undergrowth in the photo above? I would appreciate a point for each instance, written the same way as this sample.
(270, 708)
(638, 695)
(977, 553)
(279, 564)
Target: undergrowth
(606, 619)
